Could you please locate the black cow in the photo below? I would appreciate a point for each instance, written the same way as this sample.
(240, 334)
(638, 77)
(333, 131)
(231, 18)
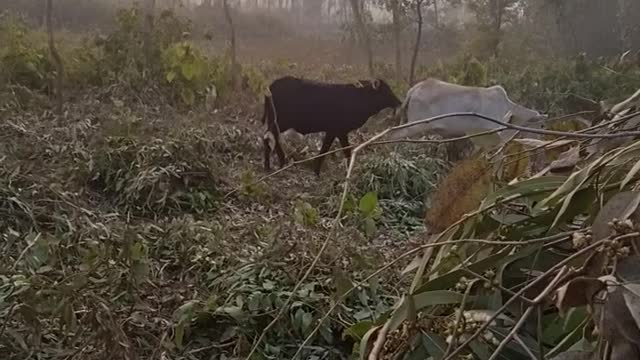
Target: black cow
(309, 107)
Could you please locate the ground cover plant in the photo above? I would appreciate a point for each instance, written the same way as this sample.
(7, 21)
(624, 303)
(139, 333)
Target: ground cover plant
(137, 221)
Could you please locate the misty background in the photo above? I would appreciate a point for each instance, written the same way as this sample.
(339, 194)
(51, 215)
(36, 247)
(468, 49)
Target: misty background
(295, 29)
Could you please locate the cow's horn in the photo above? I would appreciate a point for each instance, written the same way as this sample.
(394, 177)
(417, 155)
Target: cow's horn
(375, 84)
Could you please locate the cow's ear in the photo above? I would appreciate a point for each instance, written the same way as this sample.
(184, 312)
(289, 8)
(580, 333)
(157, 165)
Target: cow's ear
(375, 84)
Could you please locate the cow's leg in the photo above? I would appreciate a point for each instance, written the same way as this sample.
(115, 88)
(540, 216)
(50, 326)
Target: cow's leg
(280, 152)
(266, 144)
(326, 145)
(344, 142)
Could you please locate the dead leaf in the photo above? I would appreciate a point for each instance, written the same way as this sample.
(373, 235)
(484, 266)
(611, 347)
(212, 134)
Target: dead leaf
(567, 159)
(577, 292)
(614, 319)
(614, 209)
(623, 350)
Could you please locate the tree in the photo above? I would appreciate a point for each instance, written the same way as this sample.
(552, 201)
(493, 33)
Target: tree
(148, 31)
(491, 15)
(416, 47)
(363, 35)
(395, 12)
(55, 57)
(235, 73)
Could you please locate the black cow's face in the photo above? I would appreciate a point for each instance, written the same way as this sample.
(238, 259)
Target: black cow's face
(384, 94)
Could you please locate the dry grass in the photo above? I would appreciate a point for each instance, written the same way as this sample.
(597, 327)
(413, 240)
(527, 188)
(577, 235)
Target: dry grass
(459, 193)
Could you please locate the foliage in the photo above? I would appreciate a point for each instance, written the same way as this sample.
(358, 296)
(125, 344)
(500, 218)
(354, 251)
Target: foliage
(532, 226)
(154, 177)
(185, 70)
(22, 60)
(403, 182)
(544, 84)
(133, 230)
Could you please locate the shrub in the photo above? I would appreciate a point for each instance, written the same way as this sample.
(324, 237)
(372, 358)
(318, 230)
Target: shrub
(186, 71)
(22, 60)
(402, 182)
(157, 176)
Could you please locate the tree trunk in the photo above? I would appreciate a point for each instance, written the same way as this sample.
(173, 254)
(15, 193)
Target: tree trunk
(416, 47)
(436, 14)
(55, 57)
(497, 26)
(235, 75)
(148, 31)
(395, 10)
(365, 40)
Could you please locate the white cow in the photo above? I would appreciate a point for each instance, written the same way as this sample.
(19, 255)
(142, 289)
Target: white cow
(433, 97)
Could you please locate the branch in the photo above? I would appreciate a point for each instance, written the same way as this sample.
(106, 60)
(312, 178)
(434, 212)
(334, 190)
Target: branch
(535, 282)
(521, 128)
(528, 312)
(411, 253)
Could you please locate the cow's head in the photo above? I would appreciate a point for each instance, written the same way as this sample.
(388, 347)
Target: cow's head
(526, 117)
(382, 94)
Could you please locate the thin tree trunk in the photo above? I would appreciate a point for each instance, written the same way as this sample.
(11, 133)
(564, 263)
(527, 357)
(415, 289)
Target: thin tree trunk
(395, 10)
(55, 56)
(416, 47)
(436, 14)
(235, 76)
(148, 31)
(497, 27)
(365, 40)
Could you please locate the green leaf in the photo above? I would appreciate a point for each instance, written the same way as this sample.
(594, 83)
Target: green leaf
(449, 279)
(357, 330)
(480, 349)
(435, 344)
(188, 96)
(569, 340)
(171, 75)
(188, 70)
(69, 317)
(526, 188)
(417, 351)
(514, 346)
(410, 304)
(136, 251)
(368, 203)
(178, 335)
(581, 345)
(307, 320)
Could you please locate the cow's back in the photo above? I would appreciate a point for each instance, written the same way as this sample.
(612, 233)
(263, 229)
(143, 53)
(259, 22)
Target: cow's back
(434, 97)
(312, 106)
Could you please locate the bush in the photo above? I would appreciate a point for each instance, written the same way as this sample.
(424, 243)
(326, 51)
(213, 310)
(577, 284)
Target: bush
(156, 176)
(402, 182)
(22, 60)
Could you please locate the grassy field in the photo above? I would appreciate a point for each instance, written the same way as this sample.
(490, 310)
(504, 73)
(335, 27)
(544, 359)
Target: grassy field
(140, 224)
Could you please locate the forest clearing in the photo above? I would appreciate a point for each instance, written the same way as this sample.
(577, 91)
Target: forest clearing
(140, 220)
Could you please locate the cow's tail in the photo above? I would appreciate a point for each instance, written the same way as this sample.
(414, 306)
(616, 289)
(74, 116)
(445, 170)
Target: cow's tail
(265, 113)
(401, 113)
(270, 119)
